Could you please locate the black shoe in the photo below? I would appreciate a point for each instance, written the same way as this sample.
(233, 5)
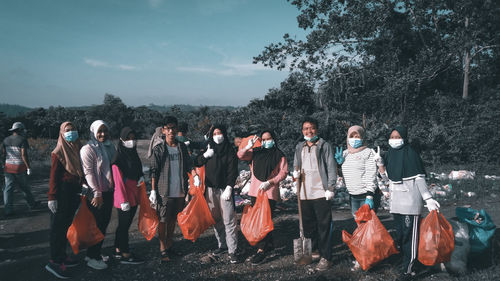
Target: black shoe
(220, 251)
(258, 258)
(234, 258)
(58, 270)
(117, 255)
(132, 259)
(69, 262)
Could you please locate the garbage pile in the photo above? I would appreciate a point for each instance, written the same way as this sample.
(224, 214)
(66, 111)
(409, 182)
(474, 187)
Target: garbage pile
(461, 175)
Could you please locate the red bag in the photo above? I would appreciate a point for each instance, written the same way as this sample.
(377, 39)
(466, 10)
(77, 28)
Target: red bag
(244, 142)
(196, 217)
(83, 232)
(256, 221)
(436, 241)
(200, 171)
(370, 243)
(148, 219)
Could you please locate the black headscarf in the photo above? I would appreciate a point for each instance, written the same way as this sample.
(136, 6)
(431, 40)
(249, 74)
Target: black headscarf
(403, 162)
(265, 160)
(220, 149)
(127, 159)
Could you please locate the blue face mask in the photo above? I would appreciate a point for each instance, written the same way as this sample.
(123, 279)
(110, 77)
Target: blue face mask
(181, 138)
(268, 144)
(355, 142)
(313, 139)
(71, 136)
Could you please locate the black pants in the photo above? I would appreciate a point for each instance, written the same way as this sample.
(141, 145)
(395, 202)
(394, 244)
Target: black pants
(407, 239)
(267, 242)
(125, 219)
(68, 201)
(316, 218)
(102, 216)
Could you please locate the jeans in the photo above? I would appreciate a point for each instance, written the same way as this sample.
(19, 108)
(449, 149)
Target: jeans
(356, 203)
(8, 192)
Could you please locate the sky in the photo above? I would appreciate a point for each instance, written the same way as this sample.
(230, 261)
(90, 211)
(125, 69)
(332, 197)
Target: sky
(198, 52)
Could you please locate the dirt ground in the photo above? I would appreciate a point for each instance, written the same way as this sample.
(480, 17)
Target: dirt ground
(24, 250)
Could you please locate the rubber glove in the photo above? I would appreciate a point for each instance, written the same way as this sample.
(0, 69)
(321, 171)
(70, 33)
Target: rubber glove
(296, 174)
(432, 204)
(209, 153)
(329, 195)
(28, 172)
(125, 206)
(369, 201)
(251, 142)
(378, 158)
(226, 195)
(152, 197)
(265, 185)
(338, 155)
(187, 143)
(196, 180)
(52, 205)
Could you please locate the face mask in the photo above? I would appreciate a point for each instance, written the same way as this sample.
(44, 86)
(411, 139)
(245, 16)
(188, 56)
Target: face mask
(129, 143)
(218, 139)
(71, 136)
(396, 143)
(355, 142)
(313, 139)
(181, 138)
(268, 144)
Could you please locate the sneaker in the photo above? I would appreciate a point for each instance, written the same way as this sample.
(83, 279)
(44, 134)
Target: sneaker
(58, 270)
(132, 259)
(117, 255)
(258, 258)
(315, 256)
(323, 264)
(69, 262)
(220, 251)
(97, 264)
(234, 258)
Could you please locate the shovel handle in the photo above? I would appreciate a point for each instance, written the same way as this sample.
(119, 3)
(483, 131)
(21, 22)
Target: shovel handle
(299, 183)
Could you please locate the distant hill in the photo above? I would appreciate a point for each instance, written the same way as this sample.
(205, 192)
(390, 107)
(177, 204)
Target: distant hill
(186, 107)
(13, 110)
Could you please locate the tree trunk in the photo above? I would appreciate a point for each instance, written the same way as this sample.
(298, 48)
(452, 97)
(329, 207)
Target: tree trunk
(467, 59)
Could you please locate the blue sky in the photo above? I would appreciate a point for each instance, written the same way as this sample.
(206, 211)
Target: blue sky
(72, 52)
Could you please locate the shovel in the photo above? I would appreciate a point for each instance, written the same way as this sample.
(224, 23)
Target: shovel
(302, 253)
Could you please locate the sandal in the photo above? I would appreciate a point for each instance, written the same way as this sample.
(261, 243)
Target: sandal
(164, 256)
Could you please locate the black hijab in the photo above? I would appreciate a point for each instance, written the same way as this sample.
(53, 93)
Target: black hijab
(127, 159)
(403, 162)
(222, 148)
(265, 160)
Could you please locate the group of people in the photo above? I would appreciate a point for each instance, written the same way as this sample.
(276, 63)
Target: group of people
(110, 177)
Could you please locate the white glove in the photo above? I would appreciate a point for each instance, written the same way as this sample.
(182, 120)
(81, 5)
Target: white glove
(28, 172)
(52, 205)
(226, 195)
(125, 206)
(432, 204)
(378, 158)
(329, 195)
(251, 142)
(209, 153)
(196, 180)
(265, 185)
(140, 181)
(187, 143)
(296, 174)
(152, 197)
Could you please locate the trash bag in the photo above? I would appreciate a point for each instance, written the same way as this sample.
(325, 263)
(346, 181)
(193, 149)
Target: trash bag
(83, 232)
(200, 171)
(148, 219)
(458, 261)
(196, 217)
(256, 221)
(370, 242)
(481, 227)
(244, 142)
(436, 239)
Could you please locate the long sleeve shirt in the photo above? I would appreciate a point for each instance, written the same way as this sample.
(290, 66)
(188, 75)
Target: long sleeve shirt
(97, 181)
(126, 189)
(360, 172)
(58, 176)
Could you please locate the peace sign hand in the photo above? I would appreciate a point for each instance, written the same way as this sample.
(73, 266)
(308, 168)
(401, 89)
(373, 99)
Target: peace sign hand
(339, 157)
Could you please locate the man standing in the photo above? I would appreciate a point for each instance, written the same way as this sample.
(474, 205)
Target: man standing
(169, 182)
(17, 167)
(314, 164)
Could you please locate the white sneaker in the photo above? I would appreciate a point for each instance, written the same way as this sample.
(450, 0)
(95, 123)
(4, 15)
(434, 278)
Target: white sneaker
(97, 264)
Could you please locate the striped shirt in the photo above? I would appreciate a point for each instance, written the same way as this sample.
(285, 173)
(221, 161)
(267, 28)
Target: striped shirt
(360, 172)
(13, 145)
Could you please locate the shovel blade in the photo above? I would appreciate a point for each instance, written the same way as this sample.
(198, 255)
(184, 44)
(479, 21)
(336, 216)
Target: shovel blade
(297, 249)
(302, 251)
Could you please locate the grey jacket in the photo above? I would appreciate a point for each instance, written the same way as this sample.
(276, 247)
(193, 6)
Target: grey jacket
(407, 198)
(326, 162)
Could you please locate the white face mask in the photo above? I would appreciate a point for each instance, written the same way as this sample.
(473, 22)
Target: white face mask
(396, 143)
(218, 139)
(129, 143)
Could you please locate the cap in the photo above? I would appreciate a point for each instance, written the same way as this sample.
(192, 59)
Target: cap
(16, 126)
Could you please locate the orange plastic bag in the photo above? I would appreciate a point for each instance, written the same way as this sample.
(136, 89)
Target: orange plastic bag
(370, 243)
(436, 241)
(244, 142)
(200, 171)
(256, 221)
(148, 219)
(196, 217)
(83, 232)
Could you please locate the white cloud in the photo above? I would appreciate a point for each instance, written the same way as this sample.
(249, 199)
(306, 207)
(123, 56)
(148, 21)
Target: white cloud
(126, 67)
(226, 69)
(104, 64)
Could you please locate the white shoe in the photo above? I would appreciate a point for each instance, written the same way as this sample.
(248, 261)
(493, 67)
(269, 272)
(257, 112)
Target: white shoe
(97, 264)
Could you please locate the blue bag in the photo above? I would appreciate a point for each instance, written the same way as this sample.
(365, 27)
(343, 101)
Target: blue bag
(481, 227)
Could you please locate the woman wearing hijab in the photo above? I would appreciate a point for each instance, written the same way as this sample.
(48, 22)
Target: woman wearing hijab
(359, 169)
(127, 176)
(96, 158)
(269, 167)
(221, 171)
(66, 178)
(406, 173)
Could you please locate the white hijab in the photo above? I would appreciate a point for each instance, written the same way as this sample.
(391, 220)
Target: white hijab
(105, 151)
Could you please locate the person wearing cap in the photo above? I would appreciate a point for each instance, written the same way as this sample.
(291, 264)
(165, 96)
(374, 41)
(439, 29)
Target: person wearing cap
(17, 167)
